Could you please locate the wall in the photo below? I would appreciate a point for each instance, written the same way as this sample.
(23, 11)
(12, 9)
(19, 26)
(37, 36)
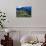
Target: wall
(38, 14)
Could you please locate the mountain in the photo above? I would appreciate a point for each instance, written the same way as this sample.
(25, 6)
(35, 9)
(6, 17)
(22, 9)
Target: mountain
(25, 8)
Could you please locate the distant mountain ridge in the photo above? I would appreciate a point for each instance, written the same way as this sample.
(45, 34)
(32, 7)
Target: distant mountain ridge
(29, 8)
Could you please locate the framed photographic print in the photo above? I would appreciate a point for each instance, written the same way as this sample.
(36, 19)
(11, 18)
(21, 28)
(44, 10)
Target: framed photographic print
(24, 11)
